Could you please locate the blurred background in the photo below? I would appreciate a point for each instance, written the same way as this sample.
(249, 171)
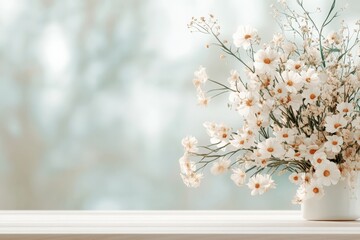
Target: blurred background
(96, 96)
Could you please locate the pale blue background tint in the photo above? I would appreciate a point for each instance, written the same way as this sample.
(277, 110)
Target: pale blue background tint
(96, 96)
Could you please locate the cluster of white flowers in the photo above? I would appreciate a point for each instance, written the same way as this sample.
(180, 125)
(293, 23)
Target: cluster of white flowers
(299, 106)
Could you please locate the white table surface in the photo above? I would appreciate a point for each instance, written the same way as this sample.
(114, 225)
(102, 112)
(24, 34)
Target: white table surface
(168, 222)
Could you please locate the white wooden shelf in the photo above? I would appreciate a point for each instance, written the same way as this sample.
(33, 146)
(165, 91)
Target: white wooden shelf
(167, 222)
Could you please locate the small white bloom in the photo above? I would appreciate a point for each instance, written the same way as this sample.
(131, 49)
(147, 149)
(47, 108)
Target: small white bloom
(245, 36)
(203, 100)
(259, 184)
(192, 180)
(285, 135)
(278, 39)
(249, 103)
(295, 66)
(280, 91)
(210, 128)
(328, 174)
(311, 95)
(186, 166)
(310, 77)
(293, 155)
(318, 159)
(190, 144)
(334, 38)
(271, 147)
(220, 166)
(334, 123)
(266, 60)
(221, 135)
(293, 82)
(295, 178)
(314, 189)
(289, 47)
(241, 141)
(300, 195)
(295, 101)
(334, 143)
(200, 76)
(238, 176)
(310, 151)
(345, 108)
(234, 79)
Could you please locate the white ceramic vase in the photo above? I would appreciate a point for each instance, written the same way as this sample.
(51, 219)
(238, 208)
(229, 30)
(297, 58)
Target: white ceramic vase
(340, 203)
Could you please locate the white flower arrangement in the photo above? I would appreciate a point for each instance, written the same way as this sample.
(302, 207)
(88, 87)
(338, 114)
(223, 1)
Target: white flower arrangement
(298, 99)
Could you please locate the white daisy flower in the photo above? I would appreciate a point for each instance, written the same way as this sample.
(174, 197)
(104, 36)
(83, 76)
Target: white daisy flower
(334, 123)
(241, 141)
(314, 189)
(259, 184)
(200, 76)
(345, 108)
(310, 151)
(238, 176)
(280, 90)
(327, 174)
(220, 166)
(203, 100)
(278, 39)
(186, 166)
(295, 101)
(334, 38)
(249, 103)
(311, 95)
(244, 36)
(190, 144)
(318, 159)
(271, 147)
(234, 79)
(300, 195)
(293, 82)
(295, 66)
(293, 155)
(310, 77)
(261, 162)
(210, 128)
(221, 136)
(295, 178)
(285, 135)
(266, 60)
(192, 180)
(334, 143)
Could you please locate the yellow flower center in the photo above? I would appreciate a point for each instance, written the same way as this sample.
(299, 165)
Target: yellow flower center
(257, 185)
(249, 102)
(312, 96)
(334, 143)
(312, 151)
(247, 36)
(267, 60)
(270, 149)
(337, 125)
(326, 173)
(316, 190)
